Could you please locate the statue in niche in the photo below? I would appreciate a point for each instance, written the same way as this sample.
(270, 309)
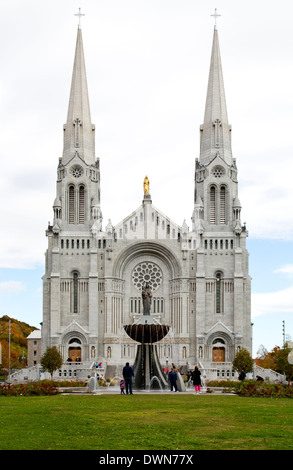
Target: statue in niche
(146, 185)
(146, 299)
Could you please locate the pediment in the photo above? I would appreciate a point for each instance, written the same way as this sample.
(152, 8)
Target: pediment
(74, 329)
(148, 223)
(76, 160)
(219, 330)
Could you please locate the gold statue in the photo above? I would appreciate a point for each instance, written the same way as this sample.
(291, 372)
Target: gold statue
(146, 185)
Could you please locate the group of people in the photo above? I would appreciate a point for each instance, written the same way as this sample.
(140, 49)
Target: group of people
(128, 376)
(193, 376)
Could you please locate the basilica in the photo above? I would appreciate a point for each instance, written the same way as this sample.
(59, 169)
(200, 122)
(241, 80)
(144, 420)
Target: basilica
(95, 273)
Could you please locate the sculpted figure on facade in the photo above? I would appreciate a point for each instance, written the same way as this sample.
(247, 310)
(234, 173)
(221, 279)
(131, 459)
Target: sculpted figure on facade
(146, 299)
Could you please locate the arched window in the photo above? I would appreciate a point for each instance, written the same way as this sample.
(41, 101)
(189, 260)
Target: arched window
(222, 205)
(219, 340)
(76, 204)
(75, 340)
(81, 206)
(71, 205)
(75, 292)
(219, 300)
(213, 205)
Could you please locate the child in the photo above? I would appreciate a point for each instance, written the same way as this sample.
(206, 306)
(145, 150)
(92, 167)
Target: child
(122, 387)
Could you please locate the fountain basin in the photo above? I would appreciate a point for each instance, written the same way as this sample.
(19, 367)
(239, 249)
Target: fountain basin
(147, 333)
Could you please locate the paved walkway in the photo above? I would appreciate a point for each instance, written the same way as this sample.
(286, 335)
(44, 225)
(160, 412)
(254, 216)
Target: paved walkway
(114, 390)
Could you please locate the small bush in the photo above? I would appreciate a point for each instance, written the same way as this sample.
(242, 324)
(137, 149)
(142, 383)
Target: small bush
(65, 383)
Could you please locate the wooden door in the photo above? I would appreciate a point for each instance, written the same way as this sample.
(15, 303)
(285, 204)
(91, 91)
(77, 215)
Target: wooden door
(218, 354)
(75, 354)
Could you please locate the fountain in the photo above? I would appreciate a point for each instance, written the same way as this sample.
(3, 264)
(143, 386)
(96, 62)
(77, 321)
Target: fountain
(147, 332)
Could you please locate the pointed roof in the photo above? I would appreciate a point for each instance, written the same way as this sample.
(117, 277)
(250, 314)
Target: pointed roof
(215, 138)
(79, 130)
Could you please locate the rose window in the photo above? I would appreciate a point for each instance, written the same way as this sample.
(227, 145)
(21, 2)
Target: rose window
(76, 171)
(218, 171)
(147, 273)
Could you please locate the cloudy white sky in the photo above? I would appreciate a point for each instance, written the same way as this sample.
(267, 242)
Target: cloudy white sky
(147, 66)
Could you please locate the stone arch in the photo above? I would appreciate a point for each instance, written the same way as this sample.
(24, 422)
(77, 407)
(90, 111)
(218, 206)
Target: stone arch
(220, 345)
(74, 345)
(151, 253)
(147, 249)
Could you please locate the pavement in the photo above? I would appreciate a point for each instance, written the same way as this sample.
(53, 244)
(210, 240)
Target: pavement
(114, 390)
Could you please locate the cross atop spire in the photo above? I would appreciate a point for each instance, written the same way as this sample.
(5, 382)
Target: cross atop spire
(79, 14)
(216, 15)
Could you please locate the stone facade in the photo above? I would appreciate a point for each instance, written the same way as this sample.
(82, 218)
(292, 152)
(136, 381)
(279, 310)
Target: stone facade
(199, 275)
(34, 348)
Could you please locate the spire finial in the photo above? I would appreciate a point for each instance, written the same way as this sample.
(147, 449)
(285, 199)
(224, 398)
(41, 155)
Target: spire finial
(80, 15)
(215, 15)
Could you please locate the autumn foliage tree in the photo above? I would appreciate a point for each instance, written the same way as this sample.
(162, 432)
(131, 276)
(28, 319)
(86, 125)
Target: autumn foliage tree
(276, 359)
(19, 331)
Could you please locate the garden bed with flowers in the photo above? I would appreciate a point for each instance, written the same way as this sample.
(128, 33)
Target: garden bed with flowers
(31, 389)
(252, 388)
(42, 387)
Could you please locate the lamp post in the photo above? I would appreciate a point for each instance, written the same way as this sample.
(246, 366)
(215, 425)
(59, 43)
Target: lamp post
(9, 331)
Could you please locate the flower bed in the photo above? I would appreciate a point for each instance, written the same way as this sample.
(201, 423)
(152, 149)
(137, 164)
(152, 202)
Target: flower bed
(32, 389)
(251, 388)
(254, 388)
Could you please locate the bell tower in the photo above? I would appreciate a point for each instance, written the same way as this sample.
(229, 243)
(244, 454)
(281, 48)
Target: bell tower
(70, 283)
(223, 284)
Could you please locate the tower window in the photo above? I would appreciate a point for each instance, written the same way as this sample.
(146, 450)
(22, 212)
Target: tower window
(222, 205)
(81, 211)
(71, 204)
(213, 205)
(218, 293)
(75, 292)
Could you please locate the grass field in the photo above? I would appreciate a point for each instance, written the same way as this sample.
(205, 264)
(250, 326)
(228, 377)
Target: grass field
(145, 422)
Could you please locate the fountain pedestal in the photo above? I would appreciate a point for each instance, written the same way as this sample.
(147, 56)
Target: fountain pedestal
(147, 368)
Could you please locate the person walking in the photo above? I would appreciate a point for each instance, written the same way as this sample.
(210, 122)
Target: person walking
(172, 376)
(196, 379)
(128, 374)
(122, 386)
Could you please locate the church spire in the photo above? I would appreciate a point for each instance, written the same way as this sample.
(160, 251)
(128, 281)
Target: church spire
(79, 133)
(215, 131)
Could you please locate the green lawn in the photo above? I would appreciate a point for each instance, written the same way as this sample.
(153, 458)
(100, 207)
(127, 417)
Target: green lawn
(146, 422)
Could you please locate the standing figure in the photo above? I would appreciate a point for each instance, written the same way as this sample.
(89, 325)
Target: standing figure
(128, 374)
(122, 385)
(196, 379)
(172, 376)
(146, 185)
(146, 299)
(242, 375)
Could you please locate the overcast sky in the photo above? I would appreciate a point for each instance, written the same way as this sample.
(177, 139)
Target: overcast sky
(147, 66)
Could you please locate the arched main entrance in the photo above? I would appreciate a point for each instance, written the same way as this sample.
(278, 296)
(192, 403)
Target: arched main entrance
(218, 351)
(74, 350)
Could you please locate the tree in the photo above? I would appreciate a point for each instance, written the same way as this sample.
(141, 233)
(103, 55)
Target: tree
(51, 360)
(266, 359)
(282, 364)
(243, 360)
